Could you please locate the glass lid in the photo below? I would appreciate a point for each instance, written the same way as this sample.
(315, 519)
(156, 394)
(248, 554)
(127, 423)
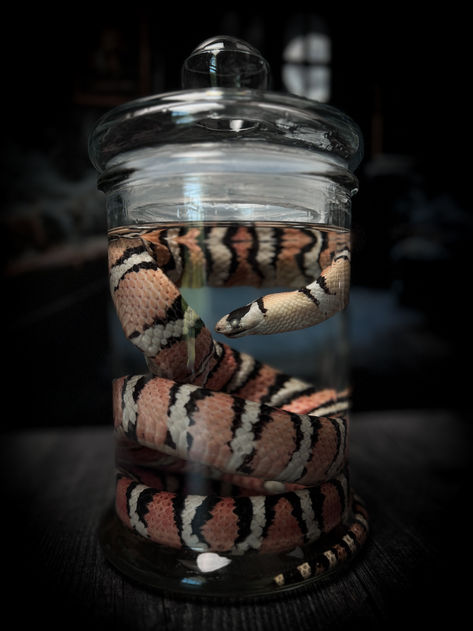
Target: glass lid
(225, 99)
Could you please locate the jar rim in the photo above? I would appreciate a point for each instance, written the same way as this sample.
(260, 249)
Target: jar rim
(225, 114)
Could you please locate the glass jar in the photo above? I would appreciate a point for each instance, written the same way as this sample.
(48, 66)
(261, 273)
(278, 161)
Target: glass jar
(229, 210)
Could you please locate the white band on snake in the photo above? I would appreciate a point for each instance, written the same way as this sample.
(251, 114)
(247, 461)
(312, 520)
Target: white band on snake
(273, 447)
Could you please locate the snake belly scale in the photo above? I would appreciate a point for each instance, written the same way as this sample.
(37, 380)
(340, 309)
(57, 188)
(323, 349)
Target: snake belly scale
(268, 450)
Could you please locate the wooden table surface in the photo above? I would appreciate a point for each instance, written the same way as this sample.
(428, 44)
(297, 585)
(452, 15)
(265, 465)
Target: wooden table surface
(411, 467)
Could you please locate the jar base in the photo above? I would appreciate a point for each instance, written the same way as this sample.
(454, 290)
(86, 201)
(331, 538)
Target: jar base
(189, 573)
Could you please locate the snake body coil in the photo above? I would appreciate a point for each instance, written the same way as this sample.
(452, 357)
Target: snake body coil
(217, 451)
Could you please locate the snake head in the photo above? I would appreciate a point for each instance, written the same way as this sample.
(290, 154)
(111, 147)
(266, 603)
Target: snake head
(242, 321)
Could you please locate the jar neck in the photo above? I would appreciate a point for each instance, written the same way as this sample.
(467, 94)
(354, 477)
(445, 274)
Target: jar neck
(228, 182)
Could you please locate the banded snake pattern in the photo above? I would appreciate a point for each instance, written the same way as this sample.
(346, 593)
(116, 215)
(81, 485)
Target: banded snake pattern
(271, 449)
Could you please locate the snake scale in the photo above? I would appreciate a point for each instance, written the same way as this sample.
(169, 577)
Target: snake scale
(269, 450)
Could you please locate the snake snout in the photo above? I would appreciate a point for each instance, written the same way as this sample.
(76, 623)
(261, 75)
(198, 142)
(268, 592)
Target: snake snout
(229, 326)
(241, 321)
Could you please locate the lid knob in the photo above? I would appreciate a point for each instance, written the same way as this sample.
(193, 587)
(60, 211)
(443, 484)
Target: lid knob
(225, 62)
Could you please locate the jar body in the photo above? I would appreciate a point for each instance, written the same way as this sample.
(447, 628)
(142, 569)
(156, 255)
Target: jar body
(231, 445)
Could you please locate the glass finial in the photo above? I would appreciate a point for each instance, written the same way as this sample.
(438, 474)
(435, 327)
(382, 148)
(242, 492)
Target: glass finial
(225, 62)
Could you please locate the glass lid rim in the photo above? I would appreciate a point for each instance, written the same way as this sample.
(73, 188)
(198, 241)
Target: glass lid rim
(182, 109)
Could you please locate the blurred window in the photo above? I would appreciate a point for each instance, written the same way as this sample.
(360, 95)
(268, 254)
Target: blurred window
(306, 66)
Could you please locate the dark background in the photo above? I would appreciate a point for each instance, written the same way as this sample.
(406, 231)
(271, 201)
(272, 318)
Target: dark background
(402, 76)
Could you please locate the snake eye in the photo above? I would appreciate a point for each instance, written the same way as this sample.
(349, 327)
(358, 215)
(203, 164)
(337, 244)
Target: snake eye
(235, 324)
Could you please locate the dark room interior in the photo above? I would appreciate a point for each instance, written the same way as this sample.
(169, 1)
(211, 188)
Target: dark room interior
(402, 76)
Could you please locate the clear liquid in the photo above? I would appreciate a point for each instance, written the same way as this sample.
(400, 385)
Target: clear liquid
(317, 355)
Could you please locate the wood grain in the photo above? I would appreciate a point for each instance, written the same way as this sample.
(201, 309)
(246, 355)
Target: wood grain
(412, 469)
